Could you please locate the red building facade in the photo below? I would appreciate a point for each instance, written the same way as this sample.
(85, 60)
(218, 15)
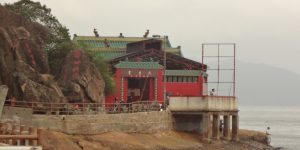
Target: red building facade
(141, 76)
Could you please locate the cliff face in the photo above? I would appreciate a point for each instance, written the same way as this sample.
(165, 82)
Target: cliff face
(23, 60)
(24, 65)
(80, 79)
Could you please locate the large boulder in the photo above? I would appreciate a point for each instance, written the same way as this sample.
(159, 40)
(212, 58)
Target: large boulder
(23, 59)
(80, 79)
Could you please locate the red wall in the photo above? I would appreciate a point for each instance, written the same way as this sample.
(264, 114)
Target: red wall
(175, 88)
(117, 93)
(185, 88)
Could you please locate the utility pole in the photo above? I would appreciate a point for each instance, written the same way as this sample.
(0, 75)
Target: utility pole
(165, 68)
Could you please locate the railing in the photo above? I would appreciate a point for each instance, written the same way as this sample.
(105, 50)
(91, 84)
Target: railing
(212, 96)
(85, 108)
(14, 134)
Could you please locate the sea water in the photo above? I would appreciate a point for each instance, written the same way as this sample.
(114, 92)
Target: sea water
(284, 123)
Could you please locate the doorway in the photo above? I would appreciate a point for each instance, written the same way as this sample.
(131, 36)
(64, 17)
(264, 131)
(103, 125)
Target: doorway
(139, 88)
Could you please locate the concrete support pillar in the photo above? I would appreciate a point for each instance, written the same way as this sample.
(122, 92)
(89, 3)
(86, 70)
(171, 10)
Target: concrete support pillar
(23, 131)
(34, 142)
(32, 131)
(1, 127)
(206, 127)
(3, 93)
(39, 134)
(235, 127)
(226, 127)
(216, 127)
(14, 131)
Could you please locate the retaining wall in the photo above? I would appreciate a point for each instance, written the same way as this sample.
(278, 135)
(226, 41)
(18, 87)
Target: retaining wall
(142, 122)
(16, 115)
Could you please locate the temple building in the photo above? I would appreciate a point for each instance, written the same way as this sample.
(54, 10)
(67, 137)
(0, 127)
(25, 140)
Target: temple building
(142, 73)
(145, 68)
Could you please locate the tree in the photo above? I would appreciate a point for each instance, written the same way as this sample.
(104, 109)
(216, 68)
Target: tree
(106, 74)
(102, 67)
(58, 43)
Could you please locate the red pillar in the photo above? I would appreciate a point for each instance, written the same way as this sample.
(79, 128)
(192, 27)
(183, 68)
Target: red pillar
(151, 89)
(160, 86)
(125, 89)
(200, 84)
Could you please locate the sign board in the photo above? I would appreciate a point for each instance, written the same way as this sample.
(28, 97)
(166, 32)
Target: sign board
(139, 73)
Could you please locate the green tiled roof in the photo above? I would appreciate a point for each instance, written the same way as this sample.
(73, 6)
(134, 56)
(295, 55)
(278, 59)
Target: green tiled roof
(139, 65)
(116, 43)
(108, 55)
(183, 72)
(96, 42)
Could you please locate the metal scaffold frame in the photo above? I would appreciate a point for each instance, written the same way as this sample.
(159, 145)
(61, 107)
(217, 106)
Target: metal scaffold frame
(219, 69)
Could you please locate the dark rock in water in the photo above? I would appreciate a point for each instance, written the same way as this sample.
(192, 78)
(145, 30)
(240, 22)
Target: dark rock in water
(23, 60)
(81, 79)
(279, 148)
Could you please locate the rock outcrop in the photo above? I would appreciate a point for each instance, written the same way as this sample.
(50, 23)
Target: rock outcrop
(23, 59)
(80, 79)
(25, 70)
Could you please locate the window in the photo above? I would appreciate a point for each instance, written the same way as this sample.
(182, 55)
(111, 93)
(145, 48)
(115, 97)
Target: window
(179, 79)
(195, 79)
(182, 79)
(185, 79)
(174, 79)
(169, 79)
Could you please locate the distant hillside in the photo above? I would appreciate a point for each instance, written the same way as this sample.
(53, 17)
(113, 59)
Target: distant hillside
(260, 84)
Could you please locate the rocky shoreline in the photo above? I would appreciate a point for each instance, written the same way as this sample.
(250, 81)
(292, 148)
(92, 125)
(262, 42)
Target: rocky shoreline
(167, 140)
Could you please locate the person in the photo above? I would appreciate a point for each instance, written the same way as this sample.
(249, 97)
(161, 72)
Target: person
(65, 108)
(267, 131)
(76, 109)
(129, 102)
(122, 105)
(268, 136)
(13, 101)
(221, 125)
(167, 100)
(116, 104)
(212, 92)
(160, 107)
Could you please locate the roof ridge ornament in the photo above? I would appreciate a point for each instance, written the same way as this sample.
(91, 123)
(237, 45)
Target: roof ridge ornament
(106, 43)
(96, 32)
(121, 35)
(146, 33)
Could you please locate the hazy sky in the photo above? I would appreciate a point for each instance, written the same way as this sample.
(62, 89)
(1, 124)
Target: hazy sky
(265, 31)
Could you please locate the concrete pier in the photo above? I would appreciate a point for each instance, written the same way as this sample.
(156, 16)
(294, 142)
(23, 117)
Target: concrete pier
(206, 125)
(211, 109)
(226, 127)
(216, 127)
(235, 127)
